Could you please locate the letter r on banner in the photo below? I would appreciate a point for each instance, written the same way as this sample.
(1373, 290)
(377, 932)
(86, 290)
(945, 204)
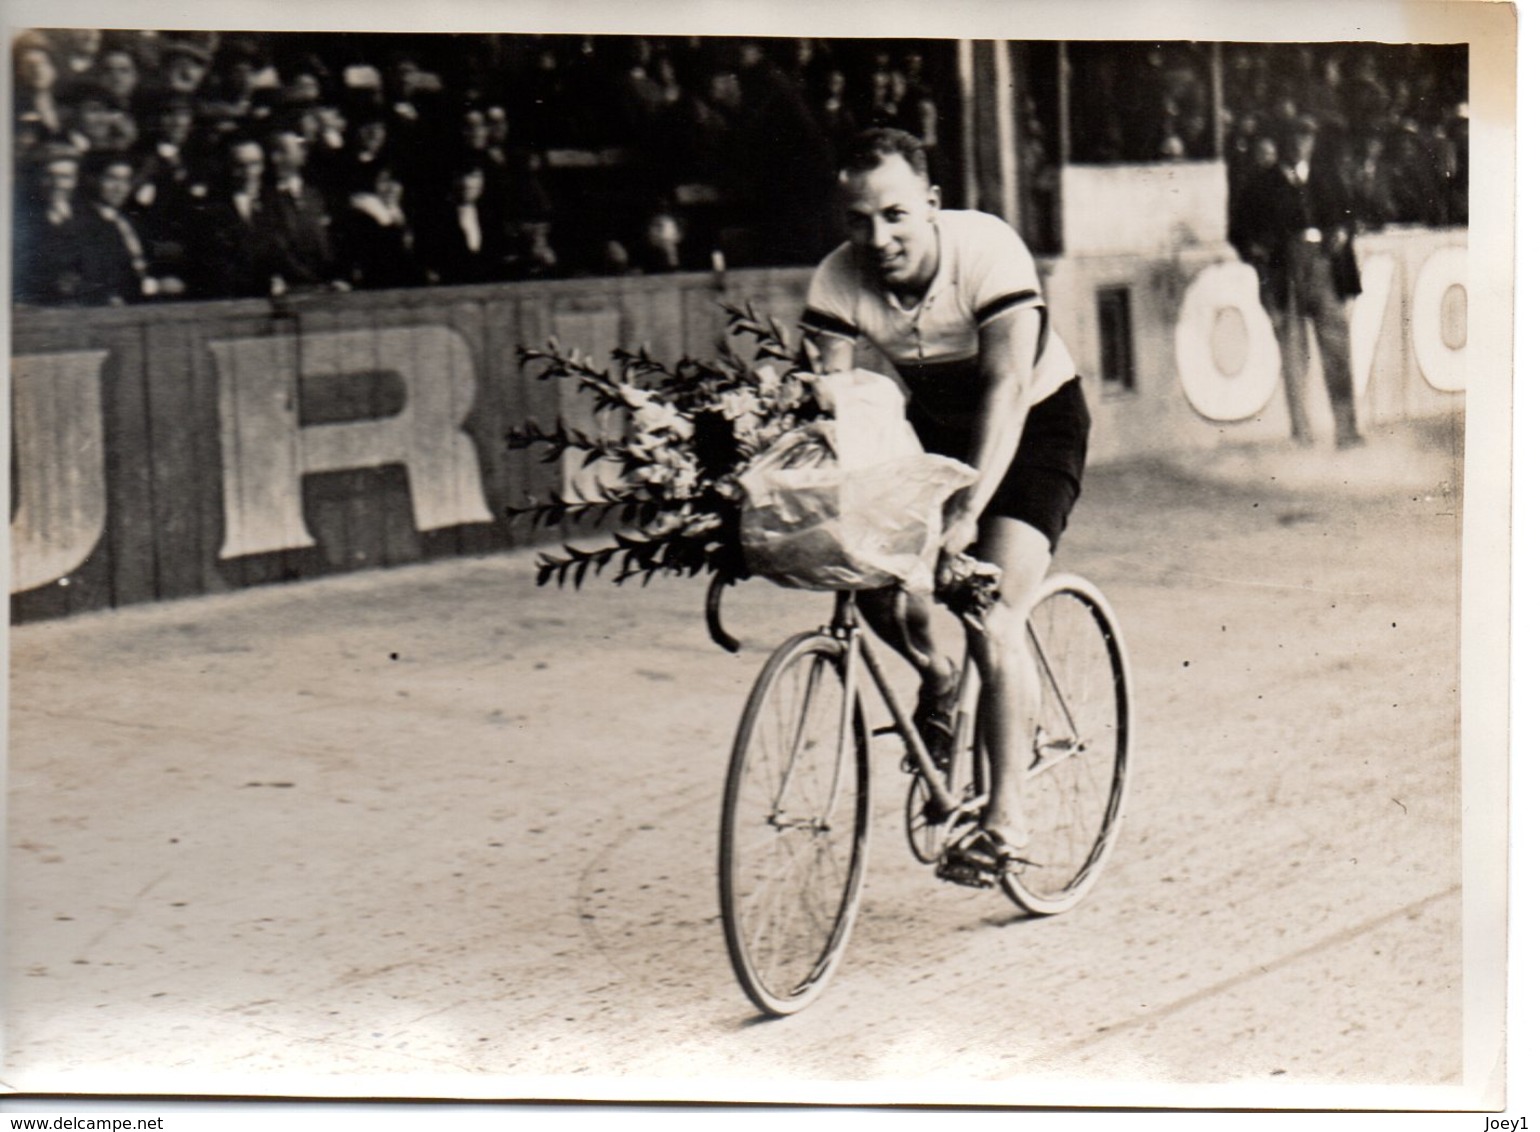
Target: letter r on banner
(266, 452)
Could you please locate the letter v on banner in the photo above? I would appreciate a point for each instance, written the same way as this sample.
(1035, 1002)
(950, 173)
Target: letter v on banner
(1378, 275)
(61, 482)
(266, 452)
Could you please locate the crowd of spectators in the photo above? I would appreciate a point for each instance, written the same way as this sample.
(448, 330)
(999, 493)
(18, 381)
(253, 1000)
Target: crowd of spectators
(217, 165)
(1392, 123)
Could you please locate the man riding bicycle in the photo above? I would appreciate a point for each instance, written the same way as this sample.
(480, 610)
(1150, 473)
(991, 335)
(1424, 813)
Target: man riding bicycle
(953, 300)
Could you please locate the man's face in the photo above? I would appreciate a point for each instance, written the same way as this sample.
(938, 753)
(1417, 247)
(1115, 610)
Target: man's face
(60, 178)
(96, 120)
(890, 214)
(497, 125)
(468, 186)
(176, 125)
(371, 135)
(246, 166)
(119, 74)
(186, 74)
(473, 129)
(115, 183)
(35, 70)
(287, 153)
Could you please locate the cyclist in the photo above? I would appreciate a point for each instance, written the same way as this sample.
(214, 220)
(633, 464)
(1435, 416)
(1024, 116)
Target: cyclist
(952, 299)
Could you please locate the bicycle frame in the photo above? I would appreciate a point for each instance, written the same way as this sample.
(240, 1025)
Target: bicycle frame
(846, 625)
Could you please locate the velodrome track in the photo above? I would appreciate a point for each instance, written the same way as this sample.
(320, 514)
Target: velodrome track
(433, 831)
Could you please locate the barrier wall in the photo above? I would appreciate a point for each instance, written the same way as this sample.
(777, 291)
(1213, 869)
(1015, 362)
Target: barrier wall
(1205, 363)
(165, 452)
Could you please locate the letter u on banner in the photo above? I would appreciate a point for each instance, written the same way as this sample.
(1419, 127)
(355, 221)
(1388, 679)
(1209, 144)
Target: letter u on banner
(1214, 393)
(61, 483)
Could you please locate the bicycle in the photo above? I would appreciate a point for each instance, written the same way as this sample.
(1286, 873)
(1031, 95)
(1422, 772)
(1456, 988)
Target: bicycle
(797, 805)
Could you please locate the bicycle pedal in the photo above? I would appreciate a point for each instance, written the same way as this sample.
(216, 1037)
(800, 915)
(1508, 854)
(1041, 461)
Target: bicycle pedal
(963, 873)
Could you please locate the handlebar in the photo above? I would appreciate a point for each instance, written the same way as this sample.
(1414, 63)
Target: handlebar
(721, 636)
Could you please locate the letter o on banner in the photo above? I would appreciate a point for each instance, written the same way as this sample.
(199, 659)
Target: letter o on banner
(1442, 365)
(1213, 392)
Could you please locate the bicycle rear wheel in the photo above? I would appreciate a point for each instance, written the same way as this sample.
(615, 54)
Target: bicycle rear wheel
(1084, 732)
(792, 848)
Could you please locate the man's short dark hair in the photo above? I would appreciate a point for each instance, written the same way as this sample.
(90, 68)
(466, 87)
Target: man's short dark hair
(867, 149)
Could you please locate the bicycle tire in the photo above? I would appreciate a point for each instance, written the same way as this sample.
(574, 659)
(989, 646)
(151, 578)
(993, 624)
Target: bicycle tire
(793, 836)
(1078, 787)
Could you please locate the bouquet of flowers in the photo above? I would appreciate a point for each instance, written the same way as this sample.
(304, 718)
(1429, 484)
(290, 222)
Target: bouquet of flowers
(673, 440)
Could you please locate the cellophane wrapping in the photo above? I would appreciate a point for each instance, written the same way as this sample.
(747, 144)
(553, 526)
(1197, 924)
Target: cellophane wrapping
(849, 503)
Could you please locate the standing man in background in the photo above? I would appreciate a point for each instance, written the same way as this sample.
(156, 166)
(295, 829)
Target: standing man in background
(1295, 225)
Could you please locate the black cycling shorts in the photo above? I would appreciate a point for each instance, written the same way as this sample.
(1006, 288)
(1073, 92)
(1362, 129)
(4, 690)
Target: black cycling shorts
(1043, 482)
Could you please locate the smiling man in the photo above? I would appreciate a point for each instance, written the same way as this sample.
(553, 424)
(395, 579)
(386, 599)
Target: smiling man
(952, 298)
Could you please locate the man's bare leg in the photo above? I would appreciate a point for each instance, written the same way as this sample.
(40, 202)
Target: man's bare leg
(903, 622)
(1010, 690)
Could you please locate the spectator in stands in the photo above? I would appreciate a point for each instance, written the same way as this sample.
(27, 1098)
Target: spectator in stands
(1298, 234)
(640, 96)
(884, 100)
(662, 242)
(788, 164)
(76, 51)
(374, 238)
(166, 188)
(833, 113)
(114, 256)
(1370, 178)
(1459, 137)
(48, 265)
(460, 237)
(364, 151)
(1446, 170)
(300, 217)
(1413, 189)
(184, 65)
(97, 125)
(237, 253)
(232, 95)
(163, 173)
(37, 115)
(117, 71)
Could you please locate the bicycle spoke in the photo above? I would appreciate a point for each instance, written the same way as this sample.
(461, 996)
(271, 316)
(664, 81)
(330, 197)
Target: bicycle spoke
(793, 827)
(1075, 788)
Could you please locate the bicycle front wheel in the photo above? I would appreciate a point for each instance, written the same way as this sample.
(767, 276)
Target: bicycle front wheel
(794, 819)
(1083, 737)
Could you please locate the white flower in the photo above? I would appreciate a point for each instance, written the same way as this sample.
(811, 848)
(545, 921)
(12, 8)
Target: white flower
(653, 417)
(769, 380)
(738, 403)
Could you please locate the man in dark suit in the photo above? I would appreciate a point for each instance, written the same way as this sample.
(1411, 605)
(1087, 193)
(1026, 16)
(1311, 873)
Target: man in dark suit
(48, 256)
(115, 256)
(236, 254)
(462, 235)
(300, 217)
(1295, 226)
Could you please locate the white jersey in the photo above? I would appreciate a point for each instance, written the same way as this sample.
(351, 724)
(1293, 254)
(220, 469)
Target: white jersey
(984, 271)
